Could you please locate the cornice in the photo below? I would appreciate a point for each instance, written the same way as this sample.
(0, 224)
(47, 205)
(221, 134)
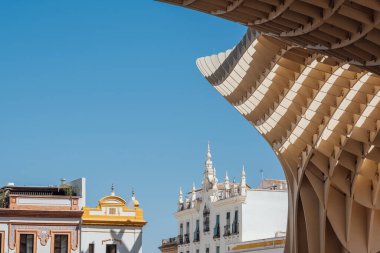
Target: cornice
(229, 201)
(128, 223)
(39, 213)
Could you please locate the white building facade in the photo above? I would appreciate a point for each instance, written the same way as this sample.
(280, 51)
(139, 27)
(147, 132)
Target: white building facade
(222, 214)
(41, 219)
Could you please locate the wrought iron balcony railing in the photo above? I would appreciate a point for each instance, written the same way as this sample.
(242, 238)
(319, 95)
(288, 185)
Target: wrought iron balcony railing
(227, 230)
(196, 236)
(217, 231)
(187, 238)
(235, 228)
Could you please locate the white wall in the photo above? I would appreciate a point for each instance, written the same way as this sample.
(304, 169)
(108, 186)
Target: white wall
(264, 213)
(79, 186)
(261, 215)
(128, 240)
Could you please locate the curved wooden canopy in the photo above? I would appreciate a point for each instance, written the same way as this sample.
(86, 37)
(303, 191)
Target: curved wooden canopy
(305, 77)
(346, 29)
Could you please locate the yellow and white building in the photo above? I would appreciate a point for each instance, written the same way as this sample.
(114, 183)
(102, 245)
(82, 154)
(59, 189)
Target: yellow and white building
(113, 226)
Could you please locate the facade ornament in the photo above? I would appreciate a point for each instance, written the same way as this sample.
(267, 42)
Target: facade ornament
(44, 236)
(43, 233)
(243, 183)
(233, 193)
(135, 203)
(226, 182)
(193, 196)
(226, 186)
(180, 196)
(215, 183)
(209, 171)
(112, 190)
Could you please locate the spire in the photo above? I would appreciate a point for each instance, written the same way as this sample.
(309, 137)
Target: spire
(226, 182)
(193, 196)
(134, 202)
(208, 162)
(243, 183)
(180, 196)
(233, 187)
(112, 190)
(208, 156)
(209, 178)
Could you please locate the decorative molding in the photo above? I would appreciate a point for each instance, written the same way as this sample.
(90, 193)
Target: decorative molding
(43, 233)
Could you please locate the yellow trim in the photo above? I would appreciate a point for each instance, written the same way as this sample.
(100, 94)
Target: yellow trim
(103, 201)
(134, 220)
(259, 244)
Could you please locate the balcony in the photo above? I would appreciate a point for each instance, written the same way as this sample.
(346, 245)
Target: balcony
(196, 236)
(169, 241)
(187, 238)
(169, 244)
(206, 225)
(216, 232)
(227, 230)
(235, 228)
(180, 240)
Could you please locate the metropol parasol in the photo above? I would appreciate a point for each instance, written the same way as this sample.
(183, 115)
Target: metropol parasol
(306, 75)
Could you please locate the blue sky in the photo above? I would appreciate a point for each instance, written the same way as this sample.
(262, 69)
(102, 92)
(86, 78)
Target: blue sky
(109, 90)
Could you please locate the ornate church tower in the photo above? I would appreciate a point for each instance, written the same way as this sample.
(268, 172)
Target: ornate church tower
(209, 176)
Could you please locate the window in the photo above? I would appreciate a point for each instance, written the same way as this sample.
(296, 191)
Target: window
(217, 227)
(26, 243)
(112, 211)
(1, 243)
(181, 233)
(217, 250)
(111, 248)
(235, 224)
(196, 232)
(197, 251)
(91, 247)
(206, 219)
(61, 243)
(187, 235)
(227, 227)
(207, 250)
